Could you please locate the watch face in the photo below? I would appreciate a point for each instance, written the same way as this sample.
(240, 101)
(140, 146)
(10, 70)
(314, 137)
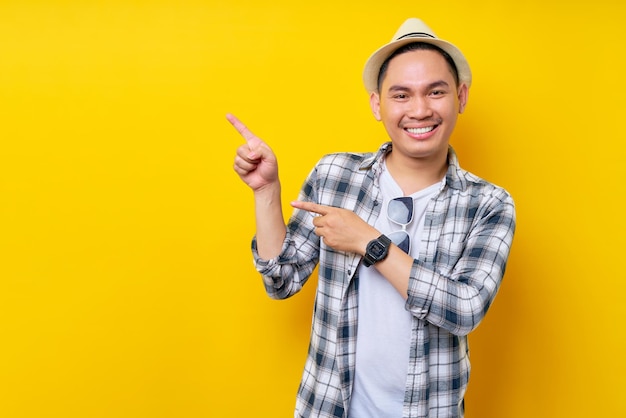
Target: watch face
(377, 249)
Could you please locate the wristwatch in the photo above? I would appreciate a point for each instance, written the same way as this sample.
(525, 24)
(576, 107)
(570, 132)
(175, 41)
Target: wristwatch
(376, 250)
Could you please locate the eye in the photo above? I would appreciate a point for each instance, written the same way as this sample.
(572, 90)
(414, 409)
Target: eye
(400, 96)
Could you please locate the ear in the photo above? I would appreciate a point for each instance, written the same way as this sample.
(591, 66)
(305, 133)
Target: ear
(463, 96)
(375, 105)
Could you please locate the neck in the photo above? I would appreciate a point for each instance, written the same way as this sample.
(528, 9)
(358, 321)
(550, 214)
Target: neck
(414, 174)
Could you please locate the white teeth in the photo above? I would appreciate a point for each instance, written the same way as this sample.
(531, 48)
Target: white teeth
(419, 131)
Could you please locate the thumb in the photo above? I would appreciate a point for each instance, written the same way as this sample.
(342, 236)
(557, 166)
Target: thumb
(261, 151)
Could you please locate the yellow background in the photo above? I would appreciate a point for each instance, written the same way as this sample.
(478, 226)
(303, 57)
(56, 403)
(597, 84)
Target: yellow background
(126, 282)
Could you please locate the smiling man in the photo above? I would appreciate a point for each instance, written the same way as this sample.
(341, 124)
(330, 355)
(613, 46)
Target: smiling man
(411, 248)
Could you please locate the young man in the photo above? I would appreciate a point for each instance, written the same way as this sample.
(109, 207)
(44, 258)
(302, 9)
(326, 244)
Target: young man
(411, 248)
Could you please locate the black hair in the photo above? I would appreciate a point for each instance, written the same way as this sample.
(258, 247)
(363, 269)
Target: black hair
(414, 47)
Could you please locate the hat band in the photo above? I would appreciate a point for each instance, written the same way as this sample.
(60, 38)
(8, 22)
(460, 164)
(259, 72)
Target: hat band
(416, 35)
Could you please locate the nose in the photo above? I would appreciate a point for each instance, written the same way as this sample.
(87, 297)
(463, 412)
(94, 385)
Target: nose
(419, 108)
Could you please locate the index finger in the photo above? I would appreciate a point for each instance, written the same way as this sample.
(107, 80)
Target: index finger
(240, 127)
(310, 207)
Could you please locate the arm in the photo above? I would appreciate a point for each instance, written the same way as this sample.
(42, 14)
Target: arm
(343, 230)
(284, 257)
(456, 290)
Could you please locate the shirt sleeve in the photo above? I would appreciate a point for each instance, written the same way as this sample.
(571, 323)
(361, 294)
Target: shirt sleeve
(456, 289)
(286, 274)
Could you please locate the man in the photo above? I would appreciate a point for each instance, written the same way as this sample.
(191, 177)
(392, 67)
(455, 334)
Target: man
(411, 248)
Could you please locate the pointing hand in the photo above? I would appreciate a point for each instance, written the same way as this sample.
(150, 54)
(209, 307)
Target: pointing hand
(255, 162)
(340, 228)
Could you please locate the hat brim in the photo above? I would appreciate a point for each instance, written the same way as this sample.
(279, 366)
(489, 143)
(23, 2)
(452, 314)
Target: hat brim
(376, 60)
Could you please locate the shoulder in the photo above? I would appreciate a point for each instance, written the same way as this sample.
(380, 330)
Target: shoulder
(469, 184)
(355, 161)
(345, 159)
(343, 164)
(480, 187)
(481, 199)
(469, 196)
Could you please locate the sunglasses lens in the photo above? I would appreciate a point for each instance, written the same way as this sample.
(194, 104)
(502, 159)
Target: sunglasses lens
(402, 240)
(400, 210)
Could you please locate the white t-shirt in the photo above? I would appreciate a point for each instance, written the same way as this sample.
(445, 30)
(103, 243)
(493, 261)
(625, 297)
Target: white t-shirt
(384, 328)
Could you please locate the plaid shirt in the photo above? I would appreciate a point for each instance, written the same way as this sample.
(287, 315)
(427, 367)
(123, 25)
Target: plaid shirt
(467, 236)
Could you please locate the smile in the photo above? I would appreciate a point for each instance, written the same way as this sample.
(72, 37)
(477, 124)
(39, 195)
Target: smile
(420, 131)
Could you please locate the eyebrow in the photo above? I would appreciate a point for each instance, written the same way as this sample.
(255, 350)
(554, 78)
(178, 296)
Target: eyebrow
(434, 84)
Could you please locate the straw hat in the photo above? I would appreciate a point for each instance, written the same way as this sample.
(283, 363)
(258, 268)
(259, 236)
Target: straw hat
(413, 30)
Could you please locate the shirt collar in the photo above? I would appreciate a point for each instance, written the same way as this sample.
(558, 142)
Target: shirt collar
(374, 160)
(454, 177)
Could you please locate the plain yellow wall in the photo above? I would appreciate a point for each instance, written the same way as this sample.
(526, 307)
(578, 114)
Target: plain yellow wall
(126, 282)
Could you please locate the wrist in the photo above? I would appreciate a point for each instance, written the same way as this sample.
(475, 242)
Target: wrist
(270, 191)
(364, 239)
(376, 250)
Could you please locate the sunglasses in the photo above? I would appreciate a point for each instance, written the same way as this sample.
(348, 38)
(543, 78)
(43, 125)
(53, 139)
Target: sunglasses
(400, 211)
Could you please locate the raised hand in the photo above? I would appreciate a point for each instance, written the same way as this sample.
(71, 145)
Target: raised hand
(255, 162)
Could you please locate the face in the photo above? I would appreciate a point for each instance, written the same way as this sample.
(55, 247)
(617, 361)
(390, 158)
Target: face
(418, 104)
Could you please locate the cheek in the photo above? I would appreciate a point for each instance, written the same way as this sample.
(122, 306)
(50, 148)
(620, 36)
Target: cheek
(391, 113)
(449, 111)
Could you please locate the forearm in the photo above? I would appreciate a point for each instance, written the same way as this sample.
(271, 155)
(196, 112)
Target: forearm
(396, 268)
(455, 289)
(455, 306)
(270, 223)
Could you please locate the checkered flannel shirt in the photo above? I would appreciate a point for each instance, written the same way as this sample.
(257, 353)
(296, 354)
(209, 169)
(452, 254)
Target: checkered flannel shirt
(467, 236)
